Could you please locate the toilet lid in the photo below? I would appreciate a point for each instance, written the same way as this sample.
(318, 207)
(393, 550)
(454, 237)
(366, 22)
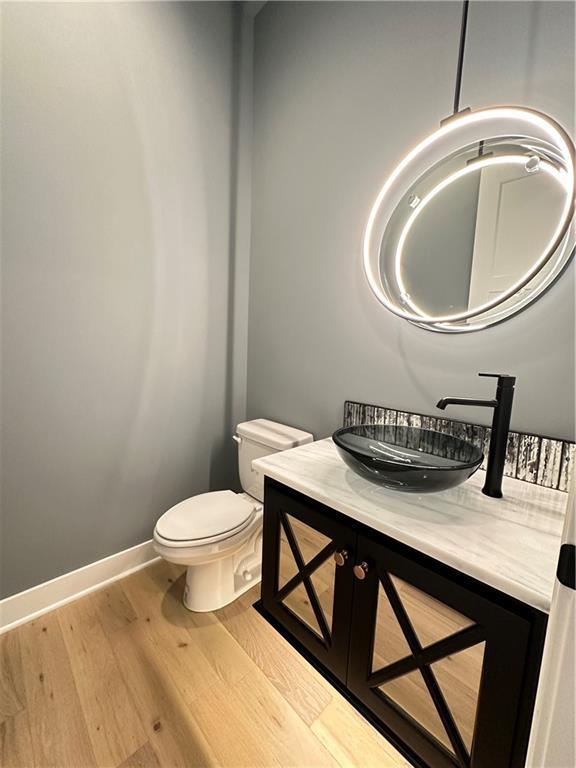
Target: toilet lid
(206, 516)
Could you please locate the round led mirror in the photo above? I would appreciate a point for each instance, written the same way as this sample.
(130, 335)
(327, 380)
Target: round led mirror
(475, 222)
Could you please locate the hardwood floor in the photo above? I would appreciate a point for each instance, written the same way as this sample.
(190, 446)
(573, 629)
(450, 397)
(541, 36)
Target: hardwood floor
(128, 677)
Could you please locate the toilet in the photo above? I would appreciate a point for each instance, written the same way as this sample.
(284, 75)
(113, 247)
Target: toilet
(218, 535)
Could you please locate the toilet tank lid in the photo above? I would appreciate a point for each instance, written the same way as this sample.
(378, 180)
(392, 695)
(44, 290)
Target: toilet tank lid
(273, 435)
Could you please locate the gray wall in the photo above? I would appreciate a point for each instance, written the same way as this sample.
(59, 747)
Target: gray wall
(117, 179)
(341, 91)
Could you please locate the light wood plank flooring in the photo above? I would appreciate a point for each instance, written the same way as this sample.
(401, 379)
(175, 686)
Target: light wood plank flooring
(128, 677)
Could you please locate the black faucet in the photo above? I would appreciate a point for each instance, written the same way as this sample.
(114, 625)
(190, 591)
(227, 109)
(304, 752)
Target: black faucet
(502, 405)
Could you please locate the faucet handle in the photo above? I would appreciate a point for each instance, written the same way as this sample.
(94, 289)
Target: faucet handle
(504, 379)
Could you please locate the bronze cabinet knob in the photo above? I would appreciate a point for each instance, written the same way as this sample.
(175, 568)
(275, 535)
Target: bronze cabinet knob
(341, 556)
(361, 570)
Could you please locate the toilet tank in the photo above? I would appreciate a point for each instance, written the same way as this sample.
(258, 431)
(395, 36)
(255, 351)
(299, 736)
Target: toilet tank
(258, 438)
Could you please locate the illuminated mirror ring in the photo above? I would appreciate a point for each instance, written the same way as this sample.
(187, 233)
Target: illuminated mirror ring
(469, 146)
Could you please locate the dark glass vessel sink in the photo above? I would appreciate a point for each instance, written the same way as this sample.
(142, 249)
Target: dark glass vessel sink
(407, 459)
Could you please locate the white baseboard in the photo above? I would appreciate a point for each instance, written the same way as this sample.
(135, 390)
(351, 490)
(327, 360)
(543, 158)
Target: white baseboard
(27, 605)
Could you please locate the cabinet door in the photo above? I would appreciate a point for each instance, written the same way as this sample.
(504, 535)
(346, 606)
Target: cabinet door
(440, 665)
(303, 587)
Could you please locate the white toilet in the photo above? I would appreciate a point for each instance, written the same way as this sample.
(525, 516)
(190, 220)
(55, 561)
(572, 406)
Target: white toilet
(218, 535)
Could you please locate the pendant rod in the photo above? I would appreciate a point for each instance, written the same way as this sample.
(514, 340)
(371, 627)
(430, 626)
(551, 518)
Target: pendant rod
(464, 24)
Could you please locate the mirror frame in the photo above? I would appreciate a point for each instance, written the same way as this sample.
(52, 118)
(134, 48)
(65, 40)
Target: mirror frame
(455, 133)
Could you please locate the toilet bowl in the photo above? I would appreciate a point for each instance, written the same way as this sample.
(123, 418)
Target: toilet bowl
(218, 535)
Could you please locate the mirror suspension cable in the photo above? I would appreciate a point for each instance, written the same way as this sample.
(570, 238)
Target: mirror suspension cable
(461, 56)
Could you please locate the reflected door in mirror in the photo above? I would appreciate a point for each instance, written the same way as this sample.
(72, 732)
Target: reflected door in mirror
(514, 222)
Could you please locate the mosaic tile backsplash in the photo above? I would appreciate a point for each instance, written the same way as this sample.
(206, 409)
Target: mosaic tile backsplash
(534, 459)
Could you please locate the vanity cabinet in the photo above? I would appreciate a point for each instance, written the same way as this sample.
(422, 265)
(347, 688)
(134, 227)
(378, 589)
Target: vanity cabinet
(443, 665)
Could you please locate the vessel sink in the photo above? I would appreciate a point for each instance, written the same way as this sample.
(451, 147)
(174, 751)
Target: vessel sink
(407, 459)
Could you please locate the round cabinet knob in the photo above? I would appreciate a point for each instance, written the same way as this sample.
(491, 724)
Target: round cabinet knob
(361, 570)
(340, 557)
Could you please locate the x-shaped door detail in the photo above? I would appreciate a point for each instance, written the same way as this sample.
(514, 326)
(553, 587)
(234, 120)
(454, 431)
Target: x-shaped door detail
(419, 660)
(303, 576)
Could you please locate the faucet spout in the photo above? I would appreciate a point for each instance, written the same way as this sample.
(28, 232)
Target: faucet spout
(465, 401)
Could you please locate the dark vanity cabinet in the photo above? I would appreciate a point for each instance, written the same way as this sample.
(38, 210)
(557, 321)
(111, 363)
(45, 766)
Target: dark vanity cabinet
(443, 665)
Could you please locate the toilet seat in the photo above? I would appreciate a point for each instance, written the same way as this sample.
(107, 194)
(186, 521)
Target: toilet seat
(205, 519)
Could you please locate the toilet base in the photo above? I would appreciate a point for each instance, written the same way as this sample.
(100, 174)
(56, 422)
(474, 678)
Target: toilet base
(217, 583)
(209, 587)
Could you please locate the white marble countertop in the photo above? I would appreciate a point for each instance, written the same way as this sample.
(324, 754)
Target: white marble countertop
(511, 544)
